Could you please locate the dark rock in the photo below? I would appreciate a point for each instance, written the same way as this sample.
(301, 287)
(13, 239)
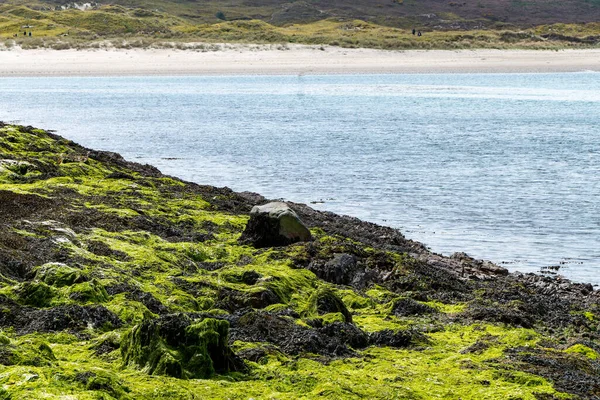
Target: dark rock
(481, 345)
(256, 353)
(470, 264)
(120, 175)
(16, 205)
(233, 300)
(340, 270)
(349, 269)
(499, 313)
(102, 249)
(250, 277)
(326, 301)
(62, 318)
(149, 301)
(333, 340)
(211, 265)
(400, 339)
(274, 224)
(409, 307)
(136, 294)
(348, 334)
(371, 234)
(106, 346)
(570, 373)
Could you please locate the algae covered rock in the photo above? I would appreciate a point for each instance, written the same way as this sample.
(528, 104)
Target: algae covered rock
(326, 301)
(274, 224)
(59, 274)
(175, 345)
(34, 353)
(37, 294)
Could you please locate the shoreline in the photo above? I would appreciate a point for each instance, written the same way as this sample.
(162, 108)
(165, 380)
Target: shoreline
(159, 270)
(289, 60)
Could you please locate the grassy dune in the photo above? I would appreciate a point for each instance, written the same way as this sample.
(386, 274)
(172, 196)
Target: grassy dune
(117, 26)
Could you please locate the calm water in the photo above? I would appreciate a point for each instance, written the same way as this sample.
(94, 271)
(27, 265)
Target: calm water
(501, 166)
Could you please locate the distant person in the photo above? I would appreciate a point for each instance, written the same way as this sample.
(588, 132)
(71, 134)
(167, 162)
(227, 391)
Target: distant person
(25, 33)
(29, 34)
(419, 34)
(414, 31)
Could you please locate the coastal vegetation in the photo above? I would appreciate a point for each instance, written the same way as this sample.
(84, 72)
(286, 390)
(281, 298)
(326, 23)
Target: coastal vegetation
(117, 26)
(118, 282)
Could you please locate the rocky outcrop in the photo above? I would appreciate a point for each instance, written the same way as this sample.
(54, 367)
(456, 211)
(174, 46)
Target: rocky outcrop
(114, 259)
(274, 224)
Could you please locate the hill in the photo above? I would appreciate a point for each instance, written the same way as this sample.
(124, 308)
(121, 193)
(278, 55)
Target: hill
(437, 14)
(118, 282)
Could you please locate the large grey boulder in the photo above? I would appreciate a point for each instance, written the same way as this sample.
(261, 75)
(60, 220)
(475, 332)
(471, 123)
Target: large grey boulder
(274, 224)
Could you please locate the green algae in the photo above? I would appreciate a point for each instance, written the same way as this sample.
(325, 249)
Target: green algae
(438, 371)
(192, 350)
(121, 254)
(58, 274)
(583, 350)
(36, 294)
(326, 301)
(89, 292)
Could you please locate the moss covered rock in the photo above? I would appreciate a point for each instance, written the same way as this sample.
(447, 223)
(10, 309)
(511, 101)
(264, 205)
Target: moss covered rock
(36, 294)
(325, 301)
(34, 352)
(177, 346)
(59, 274)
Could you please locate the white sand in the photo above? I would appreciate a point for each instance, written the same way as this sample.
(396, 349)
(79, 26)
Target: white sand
(240, 59)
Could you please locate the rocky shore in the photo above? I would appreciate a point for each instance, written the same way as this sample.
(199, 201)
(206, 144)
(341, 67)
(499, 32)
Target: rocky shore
(118, 282)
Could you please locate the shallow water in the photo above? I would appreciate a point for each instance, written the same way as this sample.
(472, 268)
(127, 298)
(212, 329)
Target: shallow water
(502, 166)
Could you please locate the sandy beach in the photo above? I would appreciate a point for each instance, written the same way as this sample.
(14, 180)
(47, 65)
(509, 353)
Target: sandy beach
(293, 60)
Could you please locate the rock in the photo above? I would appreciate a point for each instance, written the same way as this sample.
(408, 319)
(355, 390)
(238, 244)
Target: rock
(72, 318)
(326, 301)
(499, 314)
(59, 274)
(255, 354)
(274, 224)
(103, 381)
(232, 300)
(469, 264)
(35, 353)
(399, 339)
(177, 346)
(333, 340)
(136, 294)
(35, 293)
(339, 270)
(409, 307)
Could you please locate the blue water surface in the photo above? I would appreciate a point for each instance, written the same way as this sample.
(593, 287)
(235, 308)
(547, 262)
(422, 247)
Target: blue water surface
(502, 166)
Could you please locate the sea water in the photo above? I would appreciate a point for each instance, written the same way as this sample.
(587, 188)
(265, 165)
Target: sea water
(504, 167)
